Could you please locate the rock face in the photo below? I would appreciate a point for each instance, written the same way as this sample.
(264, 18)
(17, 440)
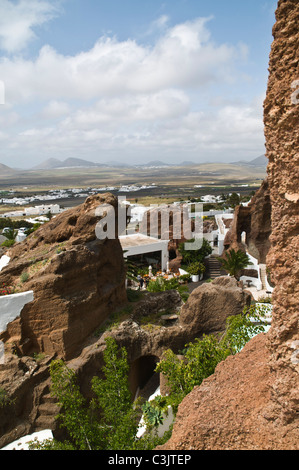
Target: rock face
(281, 111)
(252, 400)
(169, 222)
(218, 415)
(210, 304)
(255, 221)
(77, 280)
(27, 382)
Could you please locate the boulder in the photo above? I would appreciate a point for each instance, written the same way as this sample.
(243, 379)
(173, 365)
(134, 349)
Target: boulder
(210, 304)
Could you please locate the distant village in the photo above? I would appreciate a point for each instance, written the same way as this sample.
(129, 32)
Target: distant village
(54, 209)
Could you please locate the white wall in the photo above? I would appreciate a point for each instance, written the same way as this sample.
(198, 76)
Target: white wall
(11, 307)
(23, 442)
(4, 260)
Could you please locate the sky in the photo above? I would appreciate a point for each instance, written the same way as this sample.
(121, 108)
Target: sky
(133, 80)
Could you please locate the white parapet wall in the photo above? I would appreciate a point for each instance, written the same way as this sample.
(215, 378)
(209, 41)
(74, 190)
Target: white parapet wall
(4, 260)
(11, 307)
(23, 442)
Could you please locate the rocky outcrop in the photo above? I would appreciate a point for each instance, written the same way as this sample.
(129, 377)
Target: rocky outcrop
(252, 400)
(255, 221)
(144, 333)
(281, 110)
(77, 280)
(210, 304)
(229, 410)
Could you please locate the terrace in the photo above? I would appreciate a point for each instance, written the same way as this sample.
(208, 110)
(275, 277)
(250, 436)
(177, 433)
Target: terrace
(150, 249)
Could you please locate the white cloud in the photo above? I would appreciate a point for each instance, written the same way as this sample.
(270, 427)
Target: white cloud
(127, 98)
(158, 25)
(18, 20)
(55, 109)
(183, 57)
(125, 110)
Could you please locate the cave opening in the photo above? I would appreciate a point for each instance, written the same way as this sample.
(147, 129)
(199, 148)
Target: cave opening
(143, 379)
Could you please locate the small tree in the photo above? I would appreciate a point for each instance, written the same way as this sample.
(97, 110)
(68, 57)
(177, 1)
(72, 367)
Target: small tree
(234, 200)
(10, 234)
(191, 256)
(201, 357)
(110, 420)
(234, 262)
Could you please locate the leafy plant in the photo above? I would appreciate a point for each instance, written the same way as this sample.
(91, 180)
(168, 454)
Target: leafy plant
(24, 277)
(196, 268)
(234, 262)
(203, 355)
(190, 256)
(110, 420)
(8, 243)
(131, 268)
(10, 234)
(153, 415)
(161, 285)
(5, 400)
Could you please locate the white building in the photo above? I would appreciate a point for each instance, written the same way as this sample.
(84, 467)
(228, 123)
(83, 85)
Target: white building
(139, 244)
(43, 209)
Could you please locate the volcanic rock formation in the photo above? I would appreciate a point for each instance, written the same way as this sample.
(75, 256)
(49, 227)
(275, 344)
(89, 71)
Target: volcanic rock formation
(77, 280)
(252, 400)
(255, 221)
(209, 306)
(27, 382)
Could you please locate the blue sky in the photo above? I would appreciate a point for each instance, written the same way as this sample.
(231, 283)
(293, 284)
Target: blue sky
(133, 81)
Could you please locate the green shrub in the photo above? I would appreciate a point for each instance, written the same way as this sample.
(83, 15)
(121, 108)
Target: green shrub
(24, 277)
(202, 356)
(8, 243)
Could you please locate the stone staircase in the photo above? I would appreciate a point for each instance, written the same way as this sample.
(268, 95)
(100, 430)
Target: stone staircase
(263, 276)
(47, 411)
(214, 268)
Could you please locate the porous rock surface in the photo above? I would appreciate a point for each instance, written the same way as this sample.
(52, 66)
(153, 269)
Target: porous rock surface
(28, 383)
(77, 280)
(255, 221)
(252, 400)
(210, 304)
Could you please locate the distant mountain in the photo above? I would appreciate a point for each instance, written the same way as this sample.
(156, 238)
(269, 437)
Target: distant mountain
(114, 164)
(187, 163)
(5, 170)
(54, 163)
(154, 163)
(260, 161)
(48, 164)
(75, 162)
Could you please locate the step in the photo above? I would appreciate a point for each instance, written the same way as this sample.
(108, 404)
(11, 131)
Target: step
(48, 409)
(48, 399)
(44, 422)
